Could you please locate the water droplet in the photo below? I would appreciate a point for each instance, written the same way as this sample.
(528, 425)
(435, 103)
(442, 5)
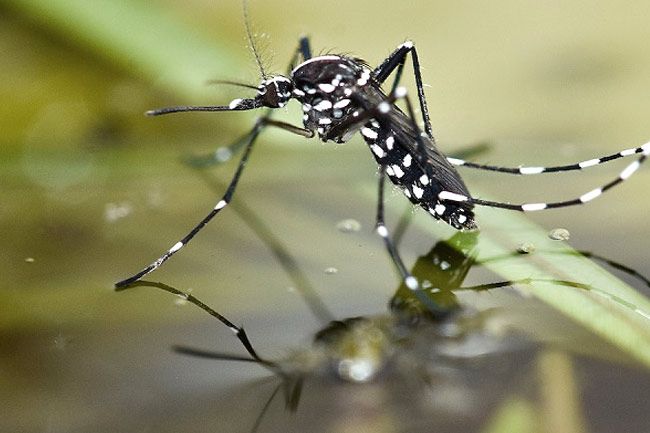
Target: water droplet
(559, 234)
(30, 259)
(525, 248)
(331, 270)
(348, 225)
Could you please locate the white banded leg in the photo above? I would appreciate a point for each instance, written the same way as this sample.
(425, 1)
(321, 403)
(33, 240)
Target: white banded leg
(628, 171)
(222, 203)
(554, 169)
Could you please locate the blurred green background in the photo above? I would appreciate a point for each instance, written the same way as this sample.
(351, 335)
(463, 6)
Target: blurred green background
(92, 190)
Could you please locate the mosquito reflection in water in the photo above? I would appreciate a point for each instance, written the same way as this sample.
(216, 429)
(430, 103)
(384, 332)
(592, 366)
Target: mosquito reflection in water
(426, 343)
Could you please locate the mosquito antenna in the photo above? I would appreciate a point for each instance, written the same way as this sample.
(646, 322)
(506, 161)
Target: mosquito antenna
(251, 40)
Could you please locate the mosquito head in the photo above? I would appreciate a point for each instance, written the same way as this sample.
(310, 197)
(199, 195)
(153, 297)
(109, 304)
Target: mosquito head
(274, 92)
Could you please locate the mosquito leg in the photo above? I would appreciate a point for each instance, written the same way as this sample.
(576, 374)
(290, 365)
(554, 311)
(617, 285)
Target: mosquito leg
(396, 60)
(553, 169)
(222, 203)
(237, 330)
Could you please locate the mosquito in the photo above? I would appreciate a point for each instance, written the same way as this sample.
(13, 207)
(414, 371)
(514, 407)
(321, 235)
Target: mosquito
(342, 95)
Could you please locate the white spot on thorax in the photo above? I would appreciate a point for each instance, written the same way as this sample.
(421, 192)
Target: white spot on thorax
(326, 87)
(342, 103)
(323, 105)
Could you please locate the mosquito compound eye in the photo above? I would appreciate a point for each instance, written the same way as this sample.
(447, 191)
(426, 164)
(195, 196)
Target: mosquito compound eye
(275, 92)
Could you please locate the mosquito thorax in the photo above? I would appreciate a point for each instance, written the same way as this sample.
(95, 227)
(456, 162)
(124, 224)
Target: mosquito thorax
(324, 87)
(275, 91)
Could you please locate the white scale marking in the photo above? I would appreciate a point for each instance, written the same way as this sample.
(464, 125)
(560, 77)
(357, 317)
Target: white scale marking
(369, 133)
(411, 282)
(448, 195)
(462, 218)
(627, 152)
(342, 103)
(234, 103)
(400, 92)
(315, 59)
(591, 195)
(324, 121)
(326, 87)
(629, 170)
(389, 142)
(531, 170)
(424, 179)
(378, 151)
(407, 161)
(177, 246)
(222, 204)
(417, 191)
(455, 161)
(530, 207)
(398, 171)
(384, 107)
(365, 76)
(323, 105)
(440, 208)
(589, 163)
(382, 231)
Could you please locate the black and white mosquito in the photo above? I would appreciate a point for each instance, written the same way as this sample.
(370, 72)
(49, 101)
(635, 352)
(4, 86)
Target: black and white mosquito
(341, 95)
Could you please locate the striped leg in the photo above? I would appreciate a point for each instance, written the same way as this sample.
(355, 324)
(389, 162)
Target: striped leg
(559, 168)
(410, 281)
(227, 197)
(584, 198)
